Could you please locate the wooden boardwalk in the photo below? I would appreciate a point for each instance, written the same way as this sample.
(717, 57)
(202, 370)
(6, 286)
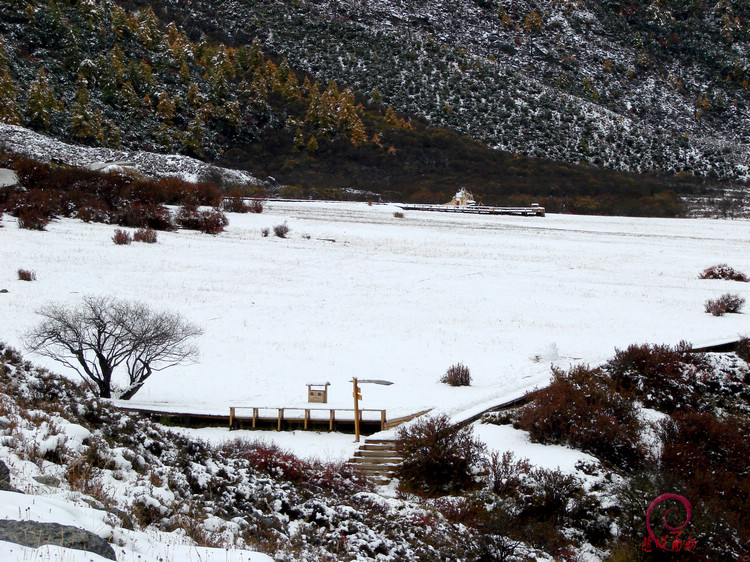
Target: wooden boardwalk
(280, 419)
(534, 210)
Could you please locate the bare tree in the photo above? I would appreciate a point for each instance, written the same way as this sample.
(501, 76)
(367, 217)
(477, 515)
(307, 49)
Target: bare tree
(104, 333)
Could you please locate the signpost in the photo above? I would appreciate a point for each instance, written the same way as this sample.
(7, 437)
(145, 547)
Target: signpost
(357, 394)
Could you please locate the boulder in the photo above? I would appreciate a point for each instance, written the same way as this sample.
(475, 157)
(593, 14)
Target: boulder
(34, 534)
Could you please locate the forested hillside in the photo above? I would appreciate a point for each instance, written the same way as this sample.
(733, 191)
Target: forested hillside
(581, 106)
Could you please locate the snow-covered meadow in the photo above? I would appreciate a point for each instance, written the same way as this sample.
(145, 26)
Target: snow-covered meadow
(355, 291)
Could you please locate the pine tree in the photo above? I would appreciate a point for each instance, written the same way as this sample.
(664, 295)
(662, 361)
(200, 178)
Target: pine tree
(83, 120)
(9, 110)
(192, 140)
(165, 108)
(41, 102)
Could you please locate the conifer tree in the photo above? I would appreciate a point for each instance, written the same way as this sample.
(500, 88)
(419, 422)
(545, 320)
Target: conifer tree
(83, 120)
(9, 110)
(165, 108)
(192, 140)
(41, 102)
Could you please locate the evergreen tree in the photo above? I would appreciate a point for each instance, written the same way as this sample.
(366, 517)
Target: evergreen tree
(9, 110)
(83, 120)
(41, 102)
(165, 108)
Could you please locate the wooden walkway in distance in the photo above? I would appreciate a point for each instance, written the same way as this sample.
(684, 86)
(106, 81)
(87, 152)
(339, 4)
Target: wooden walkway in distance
(248, 417)
(533, 211)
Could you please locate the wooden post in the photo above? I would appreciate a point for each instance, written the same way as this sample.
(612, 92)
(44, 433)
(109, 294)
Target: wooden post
(332, 420)
(231, 417)
(357, 398)
(307, 416)
(281, 418)
(255, 416)
(382, 420)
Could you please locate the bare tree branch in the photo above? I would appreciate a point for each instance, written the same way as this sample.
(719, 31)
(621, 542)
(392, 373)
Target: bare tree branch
(103, 333)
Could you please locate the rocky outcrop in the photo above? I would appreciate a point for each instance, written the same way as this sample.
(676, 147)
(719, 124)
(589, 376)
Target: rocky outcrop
(5, 478)
(34, 534)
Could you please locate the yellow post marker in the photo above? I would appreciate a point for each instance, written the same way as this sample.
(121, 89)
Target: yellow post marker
(357, 398)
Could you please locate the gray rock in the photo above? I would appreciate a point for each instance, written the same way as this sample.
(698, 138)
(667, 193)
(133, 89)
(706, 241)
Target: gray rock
(48, 480)
(5, 478)
(34, 534)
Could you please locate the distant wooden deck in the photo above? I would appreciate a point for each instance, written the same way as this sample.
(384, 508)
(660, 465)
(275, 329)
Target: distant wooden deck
(280, 419)
(534, 210)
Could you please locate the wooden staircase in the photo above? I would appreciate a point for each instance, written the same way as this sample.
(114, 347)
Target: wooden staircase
(377, 459)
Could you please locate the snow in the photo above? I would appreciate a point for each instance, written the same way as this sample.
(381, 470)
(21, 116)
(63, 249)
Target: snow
(502, 438)
(354, 291)
(135, 546)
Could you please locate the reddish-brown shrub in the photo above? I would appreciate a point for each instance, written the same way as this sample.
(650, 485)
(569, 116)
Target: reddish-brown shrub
(505, 474)
(457, 375)
(208, 221)
(26, 275)
(122, 237)
(743, 349)
(256, 206)
(582, 408)
(234, 205)
(727, 303)
(147, 235)
(145, 215)
(438, 457)
(663, 377)
(723, 271)
(273, 460)
(33, 209)
(281, 230)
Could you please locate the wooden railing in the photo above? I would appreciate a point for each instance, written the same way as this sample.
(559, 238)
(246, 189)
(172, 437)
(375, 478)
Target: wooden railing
(304, 416)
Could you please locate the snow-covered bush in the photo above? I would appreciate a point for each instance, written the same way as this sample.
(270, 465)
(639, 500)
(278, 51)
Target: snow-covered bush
(582, 408)
(438, 457)
(208, 221)
(26, 275)
(726, 303)
(457, 375)
(281, 230)
(723, 271)
(122, 237)
(146, 235)
(662, 377)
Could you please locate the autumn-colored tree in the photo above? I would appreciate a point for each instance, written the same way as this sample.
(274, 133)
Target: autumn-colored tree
(84, 121)
(41, 102)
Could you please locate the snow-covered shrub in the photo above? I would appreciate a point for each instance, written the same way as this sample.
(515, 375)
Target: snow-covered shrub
(457, 375)
(122, 237)
(208, 221)
(581, 408)
(726, 303)
(438, 457)
(398, 215)
(723, 271)
(281, 230)
(145, 215)
(662, 377)
(265, 232)
(146, 235)
(26, 275)
(504, 473)
(234, 204)
(743, 349)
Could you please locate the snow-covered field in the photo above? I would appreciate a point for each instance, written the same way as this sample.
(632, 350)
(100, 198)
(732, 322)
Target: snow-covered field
(354, 291)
